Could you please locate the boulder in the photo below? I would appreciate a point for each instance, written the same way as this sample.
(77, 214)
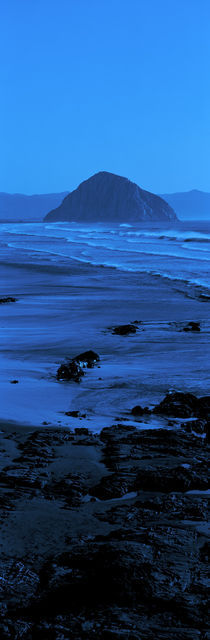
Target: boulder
(75, 414)
(87, 358)
(140, 411)
(124, 329)
(6, 300)
(184, 405)
(178, 404)
(73, 370)
(70, 371)
(192, 326)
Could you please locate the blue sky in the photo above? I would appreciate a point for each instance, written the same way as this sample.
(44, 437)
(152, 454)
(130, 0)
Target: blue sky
(90, 85)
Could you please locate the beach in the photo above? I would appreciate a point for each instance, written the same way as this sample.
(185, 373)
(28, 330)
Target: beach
(65, 306)
(81, 491)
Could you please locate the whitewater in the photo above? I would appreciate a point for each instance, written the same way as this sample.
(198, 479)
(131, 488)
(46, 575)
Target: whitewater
(180, 253)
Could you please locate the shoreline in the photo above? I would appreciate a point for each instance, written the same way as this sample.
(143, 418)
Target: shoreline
(70, 312)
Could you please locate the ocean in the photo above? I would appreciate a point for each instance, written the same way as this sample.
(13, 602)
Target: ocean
(180, 253)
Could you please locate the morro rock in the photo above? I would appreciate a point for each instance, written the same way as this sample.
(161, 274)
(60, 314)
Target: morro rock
(106, 197)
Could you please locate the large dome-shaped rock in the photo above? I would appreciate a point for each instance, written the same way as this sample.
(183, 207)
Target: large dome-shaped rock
(106, 197)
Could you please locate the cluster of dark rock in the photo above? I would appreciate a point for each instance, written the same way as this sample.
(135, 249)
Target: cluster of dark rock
(75, 414)
(133, 327)
(184, 405)
(124, 329)
(192, 326)
(139, 569)
(74, 369)
(7, 299)
(181, 405)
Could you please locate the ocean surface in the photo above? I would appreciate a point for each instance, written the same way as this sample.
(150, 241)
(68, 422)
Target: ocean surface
(180, 253)
(72, 282)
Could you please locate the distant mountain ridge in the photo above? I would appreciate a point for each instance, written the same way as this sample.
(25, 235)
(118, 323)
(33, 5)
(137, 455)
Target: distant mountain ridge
(190, 205)
(106, 197)
(142, 205)
(19, 207)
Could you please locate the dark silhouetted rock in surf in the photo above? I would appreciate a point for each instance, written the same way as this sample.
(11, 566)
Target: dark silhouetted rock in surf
(140, 411)
(6, 300)
(124, 329)
(71, 371)
(192, 326)
(75, 414)
(184, 405)
(87, 358)
(106, 197)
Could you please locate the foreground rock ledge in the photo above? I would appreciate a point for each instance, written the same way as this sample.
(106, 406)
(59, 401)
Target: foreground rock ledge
(100, 537)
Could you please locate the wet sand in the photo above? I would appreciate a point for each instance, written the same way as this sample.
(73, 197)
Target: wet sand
(64, 310)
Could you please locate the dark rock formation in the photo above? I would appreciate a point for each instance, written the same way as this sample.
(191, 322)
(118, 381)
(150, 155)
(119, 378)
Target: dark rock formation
(6, 300)
(192, 326)
(182, 326)
(75, 414)
(140, 411)
(87, 358)
(70, 371)
(124, 329)
(181, 405)
(199, 426)
(110, 198)
(73, 370)
(184, 405)
(130, 557)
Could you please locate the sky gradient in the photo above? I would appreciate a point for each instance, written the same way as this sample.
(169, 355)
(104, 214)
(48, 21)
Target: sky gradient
(115, 85)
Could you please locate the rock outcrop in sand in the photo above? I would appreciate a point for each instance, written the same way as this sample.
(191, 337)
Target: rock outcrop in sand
(106, 197)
